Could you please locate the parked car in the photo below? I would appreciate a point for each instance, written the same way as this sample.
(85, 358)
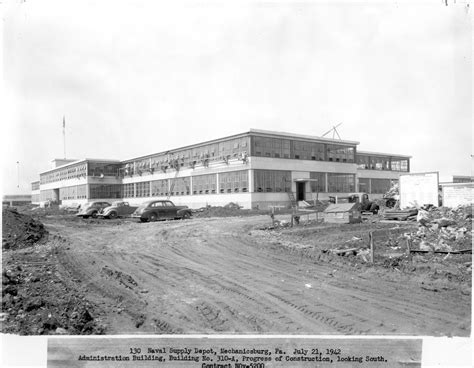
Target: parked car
(161, 210)
(91, 209)
(117, 209)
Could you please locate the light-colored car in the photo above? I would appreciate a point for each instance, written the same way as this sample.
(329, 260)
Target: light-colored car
(117, 209)
(161, 210)
(91, 209)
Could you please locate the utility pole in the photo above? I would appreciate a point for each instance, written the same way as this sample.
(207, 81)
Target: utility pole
(64, 135)
(18, 173)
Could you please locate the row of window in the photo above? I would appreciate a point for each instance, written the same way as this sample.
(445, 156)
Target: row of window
(272, 181)
(332, 182)
(47, 195)
(102, 169)
(376, 186)
(73, 192)
(221, 151)
(97, 191)
(70, 172)
(370, 162)
(301, 150)
(231, 182)
(35, 185)
(280, 181)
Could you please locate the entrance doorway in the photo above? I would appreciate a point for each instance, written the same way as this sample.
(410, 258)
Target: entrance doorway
(300, 191)
(56, 197)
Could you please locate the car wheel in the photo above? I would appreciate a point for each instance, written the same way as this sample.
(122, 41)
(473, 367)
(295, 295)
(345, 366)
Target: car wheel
(143, 220)
(94, 214)
(153, 217)
(113, 215)
(186, 215)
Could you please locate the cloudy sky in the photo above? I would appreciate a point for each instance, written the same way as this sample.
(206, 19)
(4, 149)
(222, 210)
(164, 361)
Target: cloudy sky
(137, 77)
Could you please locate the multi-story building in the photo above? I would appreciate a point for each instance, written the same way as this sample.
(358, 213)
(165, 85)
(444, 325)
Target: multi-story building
(254, 169)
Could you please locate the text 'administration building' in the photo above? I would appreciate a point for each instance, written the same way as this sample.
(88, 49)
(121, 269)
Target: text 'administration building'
(254, 169)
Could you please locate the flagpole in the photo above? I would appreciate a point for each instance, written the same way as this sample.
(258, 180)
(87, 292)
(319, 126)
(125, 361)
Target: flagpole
(64, 135)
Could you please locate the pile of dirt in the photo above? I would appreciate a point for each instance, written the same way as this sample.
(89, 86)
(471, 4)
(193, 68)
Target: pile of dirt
(20, 230)
(37, 301)
(229, 210)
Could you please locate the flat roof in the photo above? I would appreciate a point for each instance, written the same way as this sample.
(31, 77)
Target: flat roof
(268, 133)
(188, 147)
(382, 154)
(251, 132)
(82, 160)
(301, 136)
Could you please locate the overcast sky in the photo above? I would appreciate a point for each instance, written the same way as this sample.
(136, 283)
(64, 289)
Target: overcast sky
(133, 79)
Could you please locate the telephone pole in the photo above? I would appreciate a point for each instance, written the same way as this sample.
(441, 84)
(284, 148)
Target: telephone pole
(18, 173)
(64, 135)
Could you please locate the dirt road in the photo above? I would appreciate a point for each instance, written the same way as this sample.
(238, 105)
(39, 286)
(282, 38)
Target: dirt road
(216, 276)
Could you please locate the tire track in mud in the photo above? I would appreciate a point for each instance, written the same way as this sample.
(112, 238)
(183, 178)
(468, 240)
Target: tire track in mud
(210, 276)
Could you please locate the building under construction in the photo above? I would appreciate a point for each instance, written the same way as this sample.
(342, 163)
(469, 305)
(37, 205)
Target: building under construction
(255, 169)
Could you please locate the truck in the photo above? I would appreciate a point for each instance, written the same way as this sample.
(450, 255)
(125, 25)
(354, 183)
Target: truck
(363, 198)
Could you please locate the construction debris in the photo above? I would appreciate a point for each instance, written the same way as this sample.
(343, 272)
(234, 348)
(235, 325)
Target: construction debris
(443, 230)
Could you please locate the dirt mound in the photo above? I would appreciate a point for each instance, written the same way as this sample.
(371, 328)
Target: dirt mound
(228, 210)
(20, 230)
(36, 300)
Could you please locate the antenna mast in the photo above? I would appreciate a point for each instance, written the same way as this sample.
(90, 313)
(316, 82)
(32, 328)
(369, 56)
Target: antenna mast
(334, 131)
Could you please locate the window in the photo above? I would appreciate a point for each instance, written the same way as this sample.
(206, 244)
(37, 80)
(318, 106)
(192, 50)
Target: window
(159, 188)
(143, 189)
(180, 186)
(364, 185)
(380, 186)
(338, 153)
(102, 169)
(128, 190)
(363, 161)
(272, 181)
(308, 151)
(341, 183)
(47, 195)
(271, 147)
(204, 184)
(233, 182)
(318, 182)
(398, 164)
(71, 172)
(104, 191)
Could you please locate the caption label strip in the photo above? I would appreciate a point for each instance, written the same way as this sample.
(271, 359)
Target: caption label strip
(233, 352)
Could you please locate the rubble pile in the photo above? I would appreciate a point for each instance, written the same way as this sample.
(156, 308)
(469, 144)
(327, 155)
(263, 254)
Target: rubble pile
(393, 192)
(20, 230)
(443, 229)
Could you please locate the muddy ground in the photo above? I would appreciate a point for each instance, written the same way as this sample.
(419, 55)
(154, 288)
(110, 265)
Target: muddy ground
(231, 275)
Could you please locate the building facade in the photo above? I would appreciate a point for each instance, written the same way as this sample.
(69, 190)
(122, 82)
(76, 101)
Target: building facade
(255, 169)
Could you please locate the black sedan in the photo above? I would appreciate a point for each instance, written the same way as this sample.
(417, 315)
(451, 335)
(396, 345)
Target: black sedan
(161, 210)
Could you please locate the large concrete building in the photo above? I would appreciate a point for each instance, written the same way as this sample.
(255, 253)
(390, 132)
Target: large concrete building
(254, 169)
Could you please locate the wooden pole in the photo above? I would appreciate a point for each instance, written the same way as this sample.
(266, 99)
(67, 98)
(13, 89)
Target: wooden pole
(371, 239)
(408, 247)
